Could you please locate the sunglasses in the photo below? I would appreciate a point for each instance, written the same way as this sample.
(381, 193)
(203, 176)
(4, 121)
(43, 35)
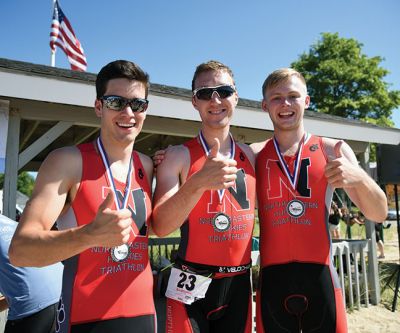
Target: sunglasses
(118, 103)
(205, 93)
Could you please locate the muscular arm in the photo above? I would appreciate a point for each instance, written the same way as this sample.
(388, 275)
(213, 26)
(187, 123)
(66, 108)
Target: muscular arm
(34, 244)
(343, 171)
(175, 196)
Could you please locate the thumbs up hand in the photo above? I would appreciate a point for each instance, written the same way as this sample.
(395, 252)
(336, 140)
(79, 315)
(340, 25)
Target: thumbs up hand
(342, 170)
(110, 227)
(217, 172)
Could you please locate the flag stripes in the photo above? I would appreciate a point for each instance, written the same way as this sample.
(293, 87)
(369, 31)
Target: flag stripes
(63, 36)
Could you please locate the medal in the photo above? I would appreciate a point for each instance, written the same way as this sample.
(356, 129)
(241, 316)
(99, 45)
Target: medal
(292, 178)
(221, 222)
(120, 253)
(207, 151)
(295, 208)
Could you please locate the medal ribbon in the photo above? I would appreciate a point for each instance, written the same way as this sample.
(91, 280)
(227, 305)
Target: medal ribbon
(207, 152)
(110, 177)
(292, 178)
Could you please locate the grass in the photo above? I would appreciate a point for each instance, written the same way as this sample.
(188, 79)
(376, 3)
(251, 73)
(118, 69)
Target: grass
(388, 273)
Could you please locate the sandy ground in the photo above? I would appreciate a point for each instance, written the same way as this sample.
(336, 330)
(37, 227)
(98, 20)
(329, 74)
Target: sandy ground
(374, 319)
(378, 319)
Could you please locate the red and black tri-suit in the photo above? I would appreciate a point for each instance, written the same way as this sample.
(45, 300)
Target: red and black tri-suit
(101, 294)
(225, 254)
(298, 283)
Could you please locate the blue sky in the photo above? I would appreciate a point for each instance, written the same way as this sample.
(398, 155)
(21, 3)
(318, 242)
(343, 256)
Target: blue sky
(169, 39)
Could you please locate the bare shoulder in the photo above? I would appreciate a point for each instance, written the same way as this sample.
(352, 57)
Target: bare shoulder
(175, 164)
(56, 184)
(256, 147)
(249, 152)
(329, 148)
(176, 156)
(172, 172)
(65, 163)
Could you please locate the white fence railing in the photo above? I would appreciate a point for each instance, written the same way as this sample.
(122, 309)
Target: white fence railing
(350, 260)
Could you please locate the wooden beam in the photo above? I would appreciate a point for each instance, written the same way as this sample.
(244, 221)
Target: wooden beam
(85, 136)
(28, 133)
(11, 169)
(41, 143)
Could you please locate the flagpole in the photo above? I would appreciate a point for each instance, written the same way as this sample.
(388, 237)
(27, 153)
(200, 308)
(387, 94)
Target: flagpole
(53, 53)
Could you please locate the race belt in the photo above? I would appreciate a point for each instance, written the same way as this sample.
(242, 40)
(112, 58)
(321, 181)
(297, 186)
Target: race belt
(206, 270)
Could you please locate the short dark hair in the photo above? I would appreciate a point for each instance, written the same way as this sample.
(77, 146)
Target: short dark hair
(120, 69)
(209, 66)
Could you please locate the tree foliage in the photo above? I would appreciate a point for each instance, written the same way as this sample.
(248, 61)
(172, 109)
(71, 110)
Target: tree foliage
(343, 81)
(25, 183)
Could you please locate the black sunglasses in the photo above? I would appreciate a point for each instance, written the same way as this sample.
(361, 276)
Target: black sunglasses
(118, 103)
(205, 93)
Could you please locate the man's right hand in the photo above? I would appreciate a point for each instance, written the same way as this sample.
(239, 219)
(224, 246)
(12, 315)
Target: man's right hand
(158, 157)
(217, 172)
(110, 227)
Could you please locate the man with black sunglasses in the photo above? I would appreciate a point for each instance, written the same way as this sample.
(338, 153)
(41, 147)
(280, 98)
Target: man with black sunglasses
(299, 290)
(206, 187)
(100, 195)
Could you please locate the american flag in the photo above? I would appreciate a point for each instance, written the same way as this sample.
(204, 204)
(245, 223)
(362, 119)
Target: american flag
(63, 36)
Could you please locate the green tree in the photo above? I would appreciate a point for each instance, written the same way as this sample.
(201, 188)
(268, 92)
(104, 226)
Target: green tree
(343, 81)
(25, 183)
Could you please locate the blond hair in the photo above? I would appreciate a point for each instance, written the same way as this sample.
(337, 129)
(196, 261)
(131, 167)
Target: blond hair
(208, 66)
(278, 76)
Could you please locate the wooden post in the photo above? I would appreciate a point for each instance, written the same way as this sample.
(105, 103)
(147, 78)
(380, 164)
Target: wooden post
(11, 167)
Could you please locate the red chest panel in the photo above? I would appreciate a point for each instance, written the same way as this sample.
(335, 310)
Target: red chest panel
(293, 216)
(102, 288)
(201, 241)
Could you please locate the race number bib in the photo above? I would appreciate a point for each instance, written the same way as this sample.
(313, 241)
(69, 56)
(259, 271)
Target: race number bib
(186, 287)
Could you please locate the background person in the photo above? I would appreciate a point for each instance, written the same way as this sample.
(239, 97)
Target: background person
(31, 294)
(335, 215)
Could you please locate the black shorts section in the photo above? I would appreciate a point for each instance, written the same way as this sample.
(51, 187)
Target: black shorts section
(225, 307)
(183, 244)
(298, 297)
(43, 321)
(139, 324)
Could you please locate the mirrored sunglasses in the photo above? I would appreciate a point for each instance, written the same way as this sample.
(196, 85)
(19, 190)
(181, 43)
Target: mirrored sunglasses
(118, 103)
(205, 93)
